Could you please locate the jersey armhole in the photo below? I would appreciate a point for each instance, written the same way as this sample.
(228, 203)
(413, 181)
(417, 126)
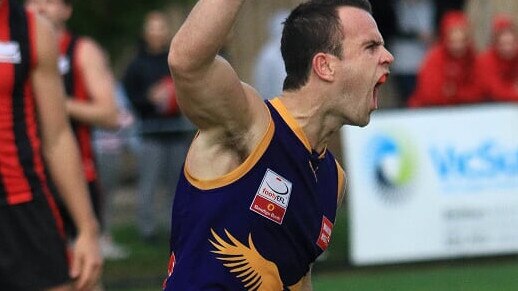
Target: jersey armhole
(238, 172)
(33, 47)
(341, 184)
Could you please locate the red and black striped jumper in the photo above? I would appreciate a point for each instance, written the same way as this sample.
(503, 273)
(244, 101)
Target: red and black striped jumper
(32, 241)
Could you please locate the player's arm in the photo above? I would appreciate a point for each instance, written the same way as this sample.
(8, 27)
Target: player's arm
(342, 184)
(62, 157)
(306, 284)
(101, 110)
(208, 89)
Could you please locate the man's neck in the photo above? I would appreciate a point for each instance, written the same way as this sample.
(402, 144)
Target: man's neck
(307, 112)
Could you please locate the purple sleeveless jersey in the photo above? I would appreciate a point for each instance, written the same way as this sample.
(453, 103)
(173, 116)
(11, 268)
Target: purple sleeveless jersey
(260, 226)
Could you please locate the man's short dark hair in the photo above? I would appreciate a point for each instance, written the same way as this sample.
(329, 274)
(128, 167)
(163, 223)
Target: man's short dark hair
(312, 27)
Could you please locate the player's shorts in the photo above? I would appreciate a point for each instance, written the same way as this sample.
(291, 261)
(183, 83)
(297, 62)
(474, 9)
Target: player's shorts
(33, 253)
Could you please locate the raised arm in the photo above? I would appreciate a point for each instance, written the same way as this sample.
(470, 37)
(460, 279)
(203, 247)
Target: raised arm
(209, 91)
(62, 157)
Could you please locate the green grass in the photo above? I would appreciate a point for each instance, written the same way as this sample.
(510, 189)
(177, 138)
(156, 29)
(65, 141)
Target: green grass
(476, 276)
(146, 267)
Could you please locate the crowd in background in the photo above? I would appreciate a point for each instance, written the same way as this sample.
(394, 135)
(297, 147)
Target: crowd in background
(454, 73)
(437, 63)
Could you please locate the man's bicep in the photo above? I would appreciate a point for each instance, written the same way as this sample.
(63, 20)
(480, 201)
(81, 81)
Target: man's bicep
(97, 73)
(216, 97)
(47, 83)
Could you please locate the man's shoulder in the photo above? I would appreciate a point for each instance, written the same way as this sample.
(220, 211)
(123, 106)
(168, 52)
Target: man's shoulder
(88, 48)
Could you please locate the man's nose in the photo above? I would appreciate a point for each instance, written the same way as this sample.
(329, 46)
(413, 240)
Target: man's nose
(388, 58)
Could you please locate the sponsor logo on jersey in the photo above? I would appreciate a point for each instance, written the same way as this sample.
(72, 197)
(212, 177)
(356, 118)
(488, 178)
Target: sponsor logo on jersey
(325, 233)
(170, 267)
(272, 197)
(10, 52)
(64, 64)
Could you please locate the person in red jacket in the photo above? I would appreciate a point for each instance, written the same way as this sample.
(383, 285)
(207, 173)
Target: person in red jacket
(498, 65)
(447, 74)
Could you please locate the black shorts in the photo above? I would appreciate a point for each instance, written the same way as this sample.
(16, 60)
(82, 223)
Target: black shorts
(33, 253)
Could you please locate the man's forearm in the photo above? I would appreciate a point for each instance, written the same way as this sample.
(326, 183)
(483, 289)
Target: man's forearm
(204, 33)
(307, 282)
(93, 115)
(64, 164)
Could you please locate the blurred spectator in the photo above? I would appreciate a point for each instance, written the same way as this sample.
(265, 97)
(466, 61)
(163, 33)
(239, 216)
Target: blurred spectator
(109, 148)
(498, 65)
(443, 6)
(269, 72)
(414, 34)
(165, 133)
(447, 75)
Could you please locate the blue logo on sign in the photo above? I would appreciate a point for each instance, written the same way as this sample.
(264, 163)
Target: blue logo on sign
(485, 165)
(392, 165)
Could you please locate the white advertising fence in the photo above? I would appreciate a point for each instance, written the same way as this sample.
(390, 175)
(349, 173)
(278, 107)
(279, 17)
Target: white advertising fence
(433, 184)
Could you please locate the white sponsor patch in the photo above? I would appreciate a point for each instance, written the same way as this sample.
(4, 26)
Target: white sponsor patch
(10, 52)
(64, 65)
(272, 197)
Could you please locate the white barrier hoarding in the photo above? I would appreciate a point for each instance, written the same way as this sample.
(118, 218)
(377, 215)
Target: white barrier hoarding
(433, 184)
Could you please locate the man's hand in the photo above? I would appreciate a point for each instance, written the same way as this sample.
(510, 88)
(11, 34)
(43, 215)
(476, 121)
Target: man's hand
(86, 261)
(161, 93)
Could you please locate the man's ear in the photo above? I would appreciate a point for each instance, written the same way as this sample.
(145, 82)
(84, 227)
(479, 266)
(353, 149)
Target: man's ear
(322, 66)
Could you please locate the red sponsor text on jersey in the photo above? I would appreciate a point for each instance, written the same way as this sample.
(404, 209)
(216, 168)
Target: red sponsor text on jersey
(325, 233)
